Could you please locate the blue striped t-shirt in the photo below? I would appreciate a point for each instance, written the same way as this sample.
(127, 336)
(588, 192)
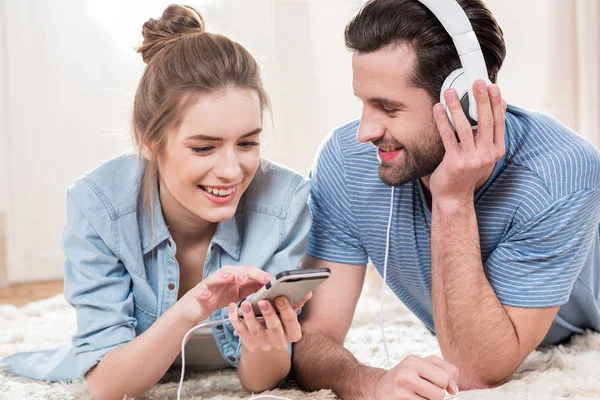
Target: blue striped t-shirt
(538, 217)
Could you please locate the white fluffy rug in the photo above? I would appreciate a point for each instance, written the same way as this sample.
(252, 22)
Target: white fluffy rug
(571, 371)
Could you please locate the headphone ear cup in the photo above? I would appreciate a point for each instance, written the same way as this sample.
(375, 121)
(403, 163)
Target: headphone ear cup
(457, 81)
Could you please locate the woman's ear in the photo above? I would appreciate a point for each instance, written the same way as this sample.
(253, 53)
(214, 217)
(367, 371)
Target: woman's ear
(148, 151)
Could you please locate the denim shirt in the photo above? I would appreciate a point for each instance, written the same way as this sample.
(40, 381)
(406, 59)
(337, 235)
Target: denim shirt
(121, 273)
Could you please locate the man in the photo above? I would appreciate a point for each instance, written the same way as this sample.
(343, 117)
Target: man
(494, 237)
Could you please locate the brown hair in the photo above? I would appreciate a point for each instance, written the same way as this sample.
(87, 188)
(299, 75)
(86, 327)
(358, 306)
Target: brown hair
(382, 23)
(183, 62)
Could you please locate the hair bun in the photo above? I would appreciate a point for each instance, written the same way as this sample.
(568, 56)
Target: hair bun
(175, 22)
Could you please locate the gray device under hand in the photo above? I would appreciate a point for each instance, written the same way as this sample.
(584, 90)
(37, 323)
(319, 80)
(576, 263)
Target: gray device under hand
(294, 285)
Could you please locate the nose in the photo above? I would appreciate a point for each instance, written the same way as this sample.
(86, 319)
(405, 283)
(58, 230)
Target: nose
(228, 166)
(369, 129)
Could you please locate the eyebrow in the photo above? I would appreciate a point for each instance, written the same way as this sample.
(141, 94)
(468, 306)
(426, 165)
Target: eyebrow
(388, 102)
(218, 139)
(383, 100)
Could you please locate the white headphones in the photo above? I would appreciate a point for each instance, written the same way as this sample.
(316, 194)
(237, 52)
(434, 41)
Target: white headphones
(457, 24)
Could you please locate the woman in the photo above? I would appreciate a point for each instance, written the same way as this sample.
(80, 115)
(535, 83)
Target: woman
(158, 242)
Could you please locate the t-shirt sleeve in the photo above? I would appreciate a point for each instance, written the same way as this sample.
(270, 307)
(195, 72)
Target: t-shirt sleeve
(333, 236)
(538, 265)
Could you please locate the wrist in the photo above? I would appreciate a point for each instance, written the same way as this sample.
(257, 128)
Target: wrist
(452, 204)
(190, 315)
(369, 378)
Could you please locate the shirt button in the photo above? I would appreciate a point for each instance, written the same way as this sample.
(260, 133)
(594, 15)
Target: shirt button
(232, 359)
(220, 327)
(171, 286)
(212, 247)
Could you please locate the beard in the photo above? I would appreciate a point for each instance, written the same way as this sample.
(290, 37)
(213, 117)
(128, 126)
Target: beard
(421, 158)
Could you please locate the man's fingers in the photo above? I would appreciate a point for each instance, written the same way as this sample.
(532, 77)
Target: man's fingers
(451, 370)
(462, 125)
(445, 129)
(485, 117)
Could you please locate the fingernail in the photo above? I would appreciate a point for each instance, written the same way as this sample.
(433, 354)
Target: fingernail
(494, 91)
(452, 95)
(225, 276)
(232, 308)
(438, 108)
(263, 306)
(206, 293)
(246, 307)
(268, 278)
(280, 302)
(240, 278)
(454, 386)
(481, 86)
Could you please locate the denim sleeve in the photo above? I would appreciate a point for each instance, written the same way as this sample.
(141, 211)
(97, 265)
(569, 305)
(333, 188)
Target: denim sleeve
(98, 287)
(294, 233)
(538, 265)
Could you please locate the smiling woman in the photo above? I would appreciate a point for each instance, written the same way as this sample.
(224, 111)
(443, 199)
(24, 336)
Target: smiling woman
(158, 242)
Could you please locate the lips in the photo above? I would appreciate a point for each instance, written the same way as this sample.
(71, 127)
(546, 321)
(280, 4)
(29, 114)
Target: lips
(388, 154)
(218, 191)
(219, 195)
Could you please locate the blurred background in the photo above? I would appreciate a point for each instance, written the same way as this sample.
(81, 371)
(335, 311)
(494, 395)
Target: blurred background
(69, 70)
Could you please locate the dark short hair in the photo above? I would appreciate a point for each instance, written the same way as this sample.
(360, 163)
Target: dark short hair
(382, 23)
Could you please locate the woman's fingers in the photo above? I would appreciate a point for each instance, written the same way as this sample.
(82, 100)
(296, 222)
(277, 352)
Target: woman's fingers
(255, 327)
(302, 301)
(241, 328)
(275, 332)
(289, 319)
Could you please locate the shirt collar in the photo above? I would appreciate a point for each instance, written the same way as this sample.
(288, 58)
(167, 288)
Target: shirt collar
(228, 234)
(153, 229)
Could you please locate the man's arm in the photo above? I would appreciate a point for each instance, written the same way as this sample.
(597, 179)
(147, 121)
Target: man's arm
(484, 339)
(320, 360)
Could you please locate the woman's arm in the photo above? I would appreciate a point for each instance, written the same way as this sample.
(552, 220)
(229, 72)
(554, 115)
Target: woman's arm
(260, 370)
(147, 357)
(265, 360)
(133, 368)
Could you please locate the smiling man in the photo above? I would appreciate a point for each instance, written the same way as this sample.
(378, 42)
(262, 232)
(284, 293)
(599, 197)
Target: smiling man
(493, 237)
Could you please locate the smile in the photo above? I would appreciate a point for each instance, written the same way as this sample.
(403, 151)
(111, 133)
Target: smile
(221, 192)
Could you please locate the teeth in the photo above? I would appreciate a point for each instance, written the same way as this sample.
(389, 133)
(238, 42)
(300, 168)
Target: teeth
(218, 192)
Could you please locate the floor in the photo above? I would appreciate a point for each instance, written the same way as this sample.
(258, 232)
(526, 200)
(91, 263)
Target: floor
(23, 293)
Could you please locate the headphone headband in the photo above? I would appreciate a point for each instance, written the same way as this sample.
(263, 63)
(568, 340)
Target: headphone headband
(457, 24)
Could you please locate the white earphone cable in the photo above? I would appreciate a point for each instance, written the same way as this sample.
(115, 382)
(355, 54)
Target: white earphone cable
(183, 342)
(385, 262)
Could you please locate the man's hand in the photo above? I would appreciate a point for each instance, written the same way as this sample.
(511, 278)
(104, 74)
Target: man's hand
(416, 378)
(470, 158)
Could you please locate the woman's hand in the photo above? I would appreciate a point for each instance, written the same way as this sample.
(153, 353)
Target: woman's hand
(228, 284)
(276, 332)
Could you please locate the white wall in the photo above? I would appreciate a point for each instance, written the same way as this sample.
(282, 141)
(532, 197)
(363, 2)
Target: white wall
(67, 97)
(3, 135)
(71, 71)
(540, 65)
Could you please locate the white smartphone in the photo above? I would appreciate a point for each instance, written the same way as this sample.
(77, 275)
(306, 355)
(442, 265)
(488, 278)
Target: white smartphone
(294, 285)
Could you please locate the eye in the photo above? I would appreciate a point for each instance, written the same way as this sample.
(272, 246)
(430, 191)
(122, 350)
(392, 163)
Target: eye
(202, 150)
(388, 111)
(248, 145)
